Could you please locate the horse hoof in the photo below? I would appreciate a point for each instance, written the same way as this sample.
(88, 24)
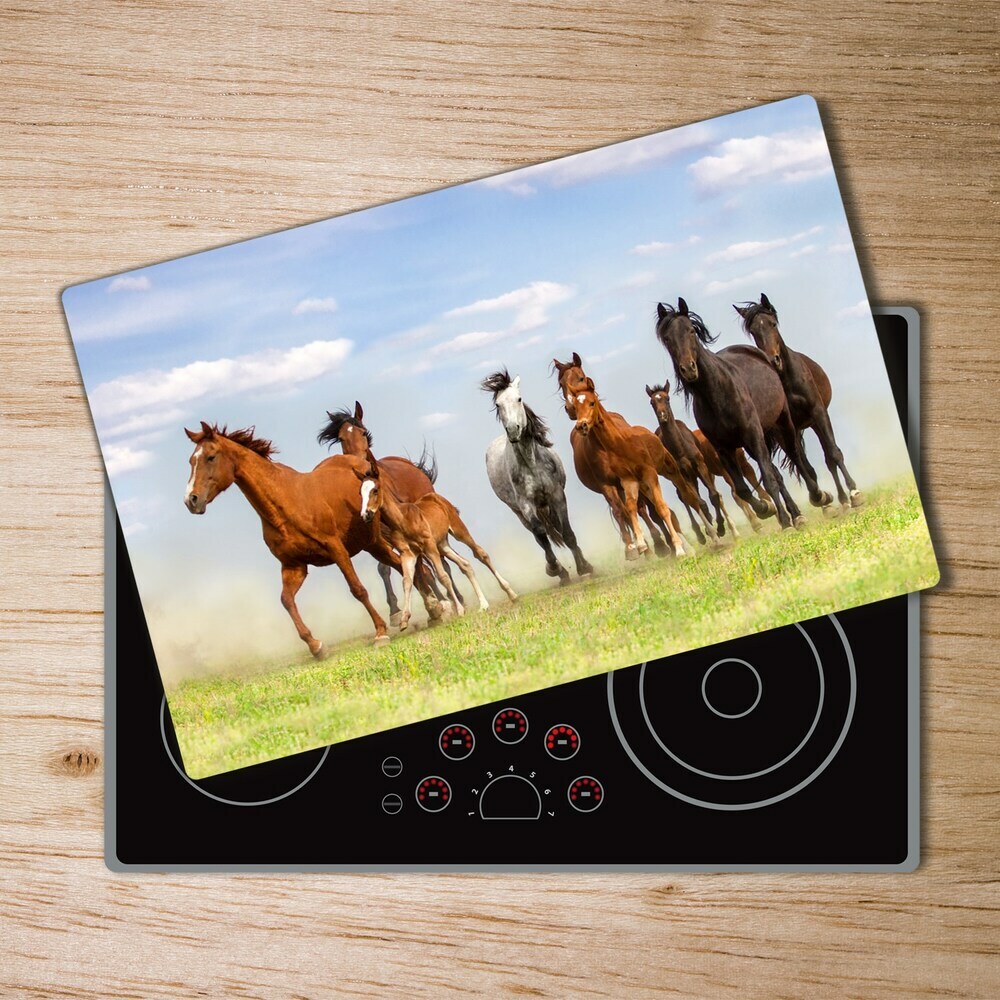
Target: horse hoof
(857, 498)
(822, 500)
(320, 652)
(799, 522)
(830, 510)
(588, 574)
(631, 553)
(395, 618)
(554, 571)
(404, 624)
(381, 640)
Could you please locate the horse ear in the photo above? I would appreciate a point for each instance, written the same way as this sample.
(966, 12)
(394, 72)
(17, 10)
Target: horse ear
(516, 383)
(590, 384)
(206, 431)
(359, 414)
(741, 310)
(576, 360)
(373, 469)
(682, 307)
(661, 310)
(765, 301)
(557, 364)
(649, 392)
(193, 435)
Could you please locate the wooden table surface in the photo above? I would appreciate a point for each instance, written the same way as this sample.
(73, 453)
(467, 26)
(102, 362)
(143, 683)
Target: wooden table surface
(137, 131)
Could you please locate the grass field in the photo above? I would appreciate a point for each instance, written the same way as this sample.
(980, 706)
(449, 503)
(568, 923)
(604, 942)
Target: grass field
(628, 613)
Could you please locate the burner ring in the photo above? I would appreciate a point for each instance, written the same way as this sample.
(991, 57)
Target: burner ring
(752, 774)
(218, 798)
(730, 715)
(771, 800)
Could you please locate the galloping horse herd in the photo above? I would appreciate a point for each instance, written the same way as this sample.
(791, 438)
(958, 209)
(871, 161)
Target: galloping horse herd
(749, 402)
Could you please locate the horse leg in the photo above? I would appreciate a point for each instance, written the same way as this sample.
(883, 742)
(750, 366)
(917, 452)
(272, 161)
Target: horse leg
(695, 527)
(650, 488)
(835, 462)
(390, 595)
(794, 447)
(651, 519)
(343, 562)
(616, 504)
(461, 532)
(292, 578)
(432, 553)
(583, 568)
(630, 488)
(722, 519)
(740, 488)
(409, 561)
(755, 484)
(788, 512)
(466, 567)
(552, 565)
(384, 553)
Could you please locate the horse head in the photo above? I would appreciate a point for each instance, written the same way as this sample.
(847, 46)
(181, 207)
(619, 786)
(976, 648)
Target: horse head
(587, 407)
(572, 379)
(760, 322)
(682, 333)
(213, 468)
(507, 402)
(371, 487)
(348, 430)
(659, 399)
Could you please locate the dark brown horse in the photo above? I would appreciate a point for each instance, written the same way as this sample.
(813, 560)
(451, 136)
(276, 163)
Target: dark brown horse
(714, 465)
(679, 440)
(739, 403)
(572, 379)
(308, 518)
(633, 459)
(410, 480)
(807, 388)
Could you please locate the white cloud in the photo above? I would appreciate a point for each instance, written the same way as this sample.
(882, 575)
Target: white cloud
(858, 309)
(269, 369)
(840, 248)
(326, 305)
(657, 247)
(529, 304)
(142, 423)
(613, 353)
(804, 251)
(612, 321)
(120, 458)
(129, 283)
(622, 157)
(530, 342)
(432, 421)
(493, 364)
(744, 279)
(754, 248)
(787, 156)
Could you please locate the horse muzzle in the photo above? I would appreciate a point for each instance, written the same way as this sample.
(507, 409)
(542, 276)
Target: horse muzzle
(368, 516)
(689, 372)
(777, 362)
(583, 427)
(195, 504)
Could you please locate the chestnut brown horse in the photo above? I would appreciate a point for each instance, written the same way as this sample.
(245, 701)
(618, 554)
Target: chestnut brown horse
(572, 378)
(308, 518)
(807, 388)
(421, 530)
(714, 466)
(634, 460)
(739, 403)
(410, 480)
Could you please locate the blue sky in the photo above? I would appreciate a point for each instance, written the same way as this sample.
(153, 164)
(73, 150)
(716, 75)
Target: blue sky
(406, 306)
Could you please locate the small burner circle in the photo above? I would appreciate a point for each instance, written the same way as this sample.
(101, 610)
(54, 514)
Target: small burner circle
(723, 663)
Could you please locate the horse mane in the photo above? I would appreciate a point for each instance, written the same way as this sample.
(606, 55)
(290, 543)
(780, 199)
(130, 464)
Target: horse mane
(537, 428)
(658, 388)
(751, 310)
(246, 437)
(330, 434)
(701, 332)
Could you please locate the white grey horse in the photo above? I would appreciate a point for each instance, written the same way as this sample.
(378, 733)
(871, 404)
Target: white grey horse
(528, 476)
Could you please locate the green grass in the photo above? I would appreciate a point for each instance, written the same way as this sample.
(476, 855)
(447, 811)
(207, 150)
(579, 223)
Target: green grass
(627, 614)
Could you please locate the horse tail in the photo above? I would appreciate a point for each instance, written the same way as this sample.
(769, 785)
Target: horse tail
(788, 463)
(427, 464)
(552, 524)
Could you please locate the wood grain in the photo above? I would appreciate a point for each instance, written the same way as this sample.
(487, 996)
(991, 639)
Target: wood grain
(137, 131)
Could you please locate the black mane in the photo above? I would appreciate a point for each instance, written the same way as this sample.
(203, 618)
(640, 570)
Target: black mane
(330, 434)
(537, 429)
(751, 310)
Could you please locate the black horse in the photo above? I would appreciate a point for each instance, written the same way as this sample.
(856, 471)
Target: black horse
(806, 387)
(738, 403)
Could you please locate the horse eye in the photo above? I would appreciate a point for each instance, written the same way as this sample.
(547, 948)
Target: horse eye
(211, 458)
